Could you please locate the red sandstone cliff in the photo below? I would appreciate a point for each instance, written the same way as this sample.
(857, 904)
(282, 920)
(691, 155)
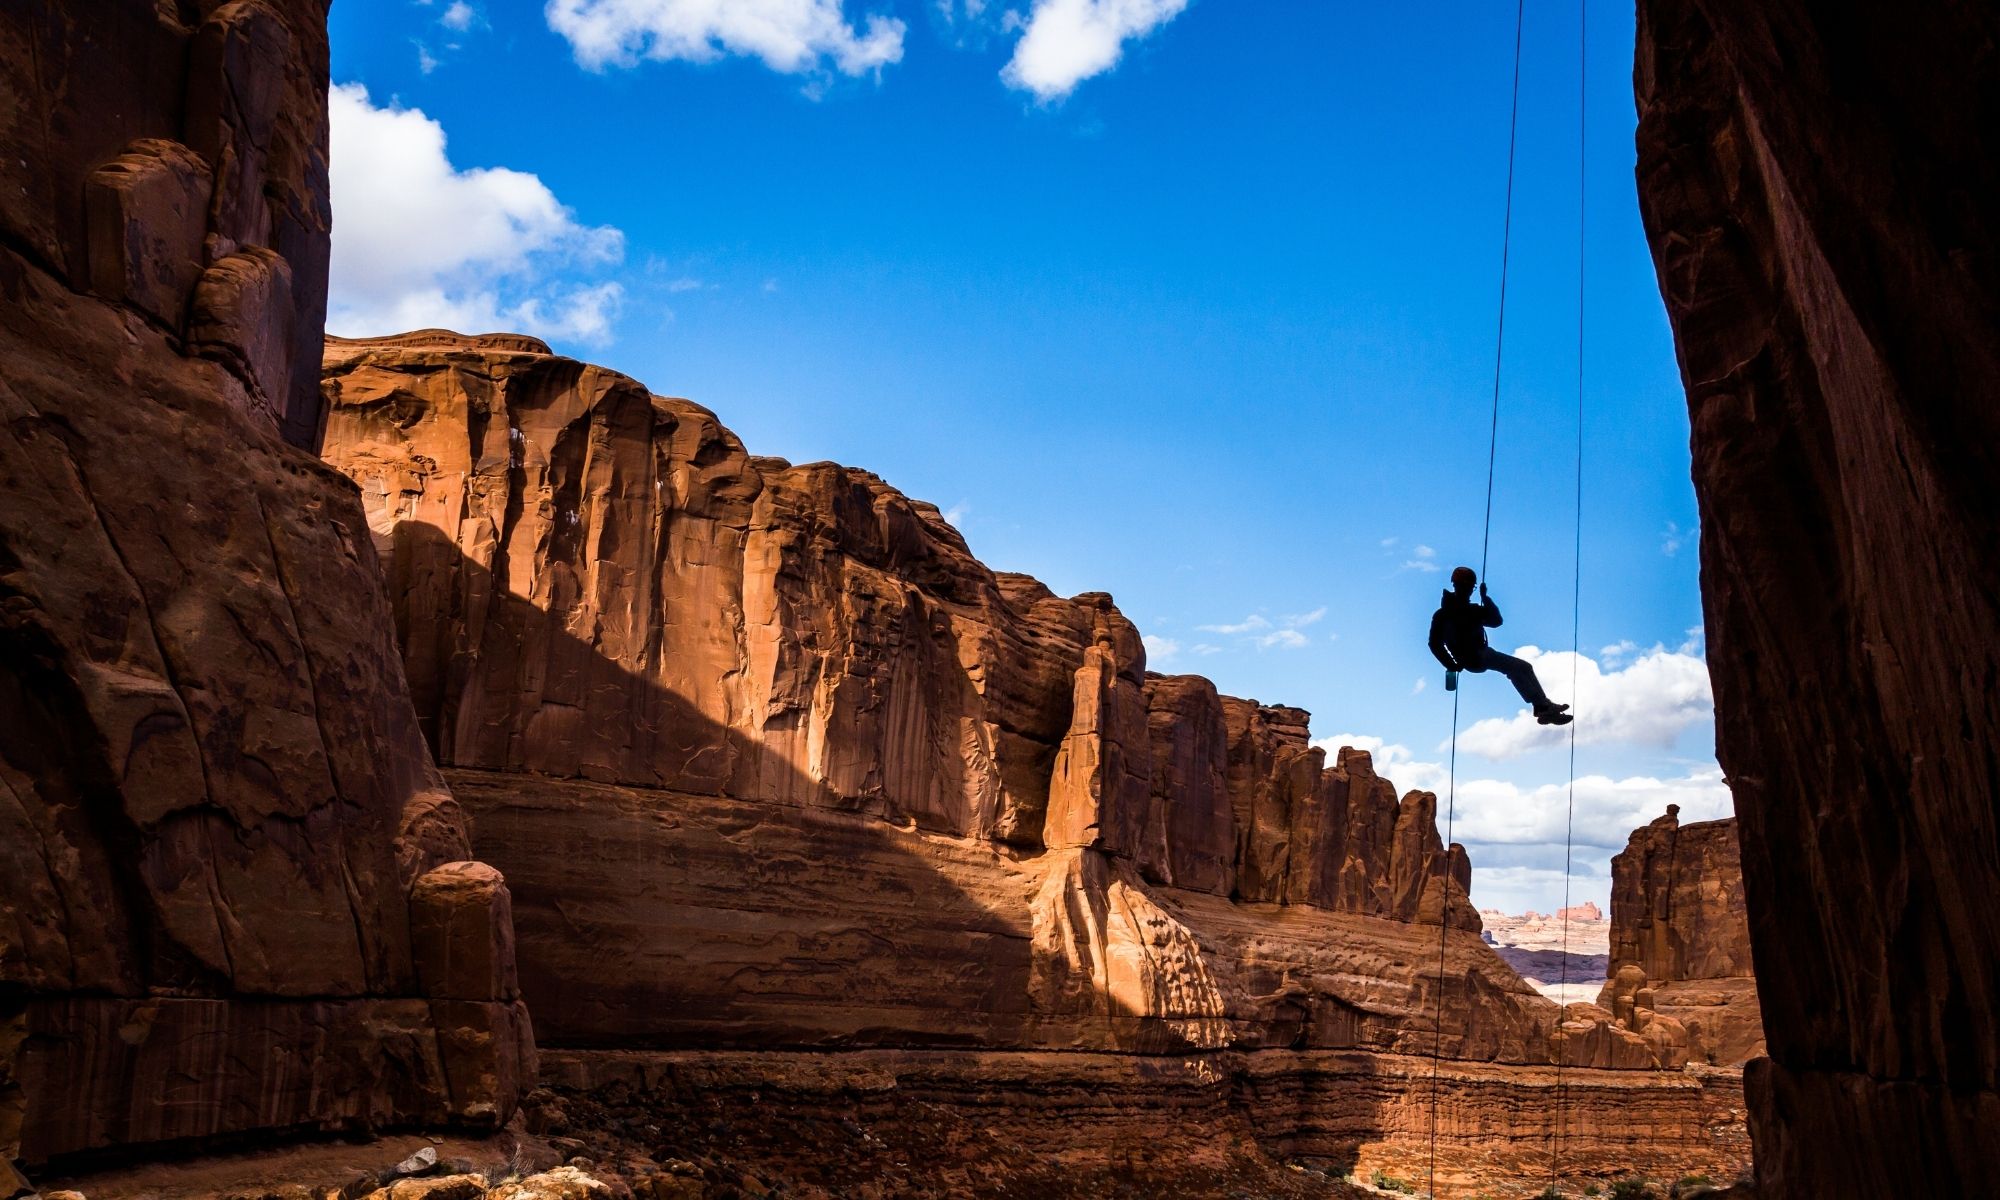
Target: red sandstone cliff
(1818, 183)
(224, 887)
(1678, 919)
(845, 784)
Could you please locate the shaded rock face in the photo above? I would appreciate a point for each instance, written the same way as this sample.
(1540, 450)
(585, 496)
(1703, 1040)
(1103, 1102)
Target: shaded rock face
(1678, 921)
(1818, 184)
(214, 796)
(840, 783)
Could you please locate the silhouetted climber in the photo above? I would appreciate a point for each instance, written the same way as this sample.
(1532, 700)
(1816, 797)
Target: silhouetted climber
(1458, 638)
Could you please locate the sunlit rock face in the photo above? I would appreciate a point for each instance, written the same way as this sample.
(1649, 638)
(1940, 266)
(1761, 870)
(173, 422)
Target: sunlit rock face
(1818, 184)
(596, 584)
(1678, 921)
(215, 800)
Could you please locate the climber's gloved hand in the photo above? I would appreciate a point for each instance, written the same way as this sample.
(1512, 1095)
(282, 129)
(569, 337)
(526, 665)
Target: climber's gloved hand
(1450, 680)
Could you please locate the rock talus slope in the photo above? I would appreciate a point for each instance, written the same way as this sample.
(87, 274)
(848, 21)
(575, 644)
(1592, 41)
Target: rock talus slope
(1818, 184)
(214, 796)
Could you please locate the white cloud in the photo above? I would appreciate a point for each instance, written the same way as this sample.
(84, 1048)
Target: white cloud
(1648, 702)
(1420, 564)
(956, 514)
(1418, 688)
(792, 36)
(459, 16)
(1065, 42)
(685, 284)
(1160, 649)
(426, 61)
(1204, 649)
(1607, 810)
(1425, 552)
(1673, 538)
(418, 241)
(1262, 632)
(1249, 624)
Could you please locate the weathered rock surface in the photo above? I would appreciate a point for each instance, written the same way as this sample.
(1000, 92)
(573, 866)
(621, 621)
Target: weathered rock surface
(710, 921)
(1678, 920)
(1260, 1123)
(213, 791)
(1818, 184)
(841, 787)
(594, 582)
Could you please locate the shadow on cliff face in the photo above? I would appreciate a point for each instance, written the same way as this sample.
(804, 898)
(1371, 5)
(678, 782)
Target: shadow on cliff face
(649, 917)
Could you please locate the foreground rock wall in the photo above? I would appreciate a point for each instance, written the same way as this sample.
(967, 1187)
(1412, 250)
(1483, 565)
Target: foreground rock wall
(1818, 183)
(220, 828)
(594, 582)
(1678, 921)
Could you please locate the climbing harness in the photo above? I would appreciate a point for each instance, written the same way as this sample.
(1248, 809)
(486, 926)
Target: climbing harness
(1485, 545)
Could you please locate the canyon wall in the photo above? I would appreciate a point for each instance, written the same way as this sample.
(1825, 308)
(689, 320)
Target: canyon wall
(1678, 920)
(1818, 184)
(228, 865)
(839, 783)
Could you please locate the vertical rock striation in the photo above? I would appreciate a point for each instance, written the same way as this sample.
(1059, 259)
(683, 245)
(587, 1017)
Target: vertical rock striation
(1818, 184)
(1678, 920)
(958, 799)
(214, 796)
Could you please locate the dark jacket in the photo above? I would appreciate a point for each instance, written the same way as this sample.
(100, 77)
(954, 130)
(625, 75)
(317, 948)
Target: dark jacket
(1458, 631)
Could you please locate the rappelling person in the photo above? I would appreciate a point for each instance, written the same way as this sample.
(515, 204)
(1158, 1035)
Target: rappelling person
(1458, 638)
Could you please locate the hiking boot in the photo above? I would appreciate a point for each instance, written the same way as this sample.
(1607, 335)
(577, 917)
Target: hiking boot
(1553, 714)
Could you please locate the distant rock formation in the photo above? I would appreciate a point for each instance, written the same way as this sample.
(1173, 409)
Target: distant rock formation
(1563, 954)
(1819, 183)
(226, 857)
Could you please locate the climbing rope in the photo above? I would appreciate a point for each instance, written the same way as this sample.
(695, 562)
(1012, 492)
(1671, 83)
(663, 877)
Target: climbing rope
(1485, 544)
(1576, 559)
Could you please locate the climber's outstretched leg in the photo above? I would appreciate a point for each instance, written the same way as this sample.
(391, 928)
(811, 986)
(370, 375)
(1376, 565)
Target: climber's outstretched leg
(1521, 674)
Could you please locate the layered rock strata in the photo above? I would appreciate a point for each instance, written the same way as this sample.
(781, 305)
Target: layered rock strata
(1680, 936)
(1213, 1123)
(215, 800)
(1818, 184)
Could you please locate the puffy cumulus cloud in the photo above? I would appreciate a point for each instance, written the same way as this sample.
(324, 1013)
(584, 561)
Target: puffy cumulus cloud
(792, 36)
(1160, 650)
(1647, 702)
(1064, 42)
(1496, 812)
(418, 241)
(1607, 810)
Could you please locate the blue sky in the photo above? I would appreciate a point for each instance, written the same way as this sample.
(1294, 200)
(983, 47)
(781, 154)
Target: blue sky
(1189, 302)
